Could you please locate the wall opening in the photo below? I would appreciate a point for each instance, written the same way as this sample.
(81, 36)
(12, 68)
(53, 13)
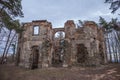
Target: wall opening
(101, 53)
(58, 54)
(82, 53)
(60, 35)
(34, 58)
(36, 30)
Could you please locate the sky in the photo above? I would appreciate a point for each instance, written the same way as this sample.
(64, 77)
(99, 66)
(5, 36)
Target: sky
(59, 11)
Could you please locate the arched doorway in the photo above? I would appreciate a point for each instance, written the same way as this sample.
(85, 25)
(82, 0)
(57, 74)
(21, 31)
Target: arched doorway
(82, 53)
(34, 57)
(101, 53)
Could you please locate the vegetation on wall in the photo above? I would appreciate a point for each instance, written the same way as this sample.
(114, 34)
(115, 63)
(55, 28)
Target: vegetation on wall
(46, 44)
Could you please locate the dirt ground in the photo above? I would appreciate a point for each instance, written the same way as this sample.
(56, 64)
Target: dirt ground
(104, 72)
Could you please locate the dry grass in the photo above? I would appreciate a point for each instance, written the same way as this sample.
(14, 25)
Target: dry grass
(105, 72)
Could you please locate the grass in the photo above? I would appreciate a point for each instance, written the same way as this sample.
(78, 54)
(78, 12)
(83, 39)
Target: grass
(104, 72)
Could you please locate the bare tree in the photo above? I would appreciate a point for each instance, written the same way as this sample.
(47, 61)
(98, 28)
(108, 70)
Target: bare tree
(112, 30)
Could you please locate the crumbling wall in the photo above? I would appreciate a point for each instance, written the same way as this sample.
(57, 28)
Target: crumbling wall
(92, 50)
(29, 40)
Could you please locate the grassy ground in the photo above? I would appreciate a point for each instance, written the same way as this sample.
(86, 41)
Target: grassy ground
(106, 72)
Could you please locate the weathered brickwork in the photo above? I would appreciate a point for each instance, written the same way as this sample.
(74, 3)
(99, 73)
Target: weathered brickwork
(84, 45)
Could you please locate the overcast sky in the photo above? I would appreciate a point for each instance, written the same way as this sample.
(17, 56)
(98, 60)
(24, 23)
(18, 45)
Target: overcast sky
(59, 11)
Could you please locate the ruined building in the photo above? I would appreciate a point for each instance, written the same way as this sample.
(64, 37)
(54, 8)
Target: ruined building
(38, 47)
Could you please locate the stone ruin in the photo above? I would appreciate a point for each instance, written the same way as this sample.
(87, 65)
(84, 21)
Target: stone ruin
(38, 47)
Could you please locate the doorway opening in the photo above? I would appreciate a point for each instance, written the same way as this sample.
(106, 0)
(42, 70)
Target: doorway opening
(82, 53)
(34, 57)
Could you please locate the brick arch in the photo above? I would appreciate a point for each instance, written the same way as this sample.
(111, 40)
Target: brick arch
(34, 46)
(55, 30)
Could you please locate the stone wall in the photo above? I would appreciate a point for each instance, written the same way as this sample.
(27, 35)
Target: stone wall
(90, 35)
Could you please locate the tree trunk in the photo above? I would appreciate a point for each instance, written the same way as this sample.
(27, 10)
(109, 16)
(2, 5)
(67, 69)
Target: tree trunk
(18, 53)
(113, 47)
(9, 45)
(109, 50)
(13, 56)
(117, 37)
(5, 48)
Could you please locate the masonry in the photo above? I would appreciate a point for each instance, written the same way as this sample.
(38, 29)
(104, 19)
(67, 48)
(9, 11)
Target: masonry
(38, 47)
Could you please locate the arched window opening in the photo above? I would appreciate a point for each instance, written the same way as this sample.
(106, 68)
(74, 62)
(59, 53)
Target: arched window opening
(59, 35)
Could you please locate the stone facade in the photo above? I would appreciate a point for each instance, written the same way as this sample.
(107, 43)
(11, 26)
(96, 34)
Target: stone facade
(84, 45)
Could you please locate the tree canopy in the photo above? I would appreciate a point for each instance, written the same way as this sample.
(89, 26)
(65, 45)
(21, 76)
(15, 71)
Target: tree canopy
(114, 4)
(9, 9)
